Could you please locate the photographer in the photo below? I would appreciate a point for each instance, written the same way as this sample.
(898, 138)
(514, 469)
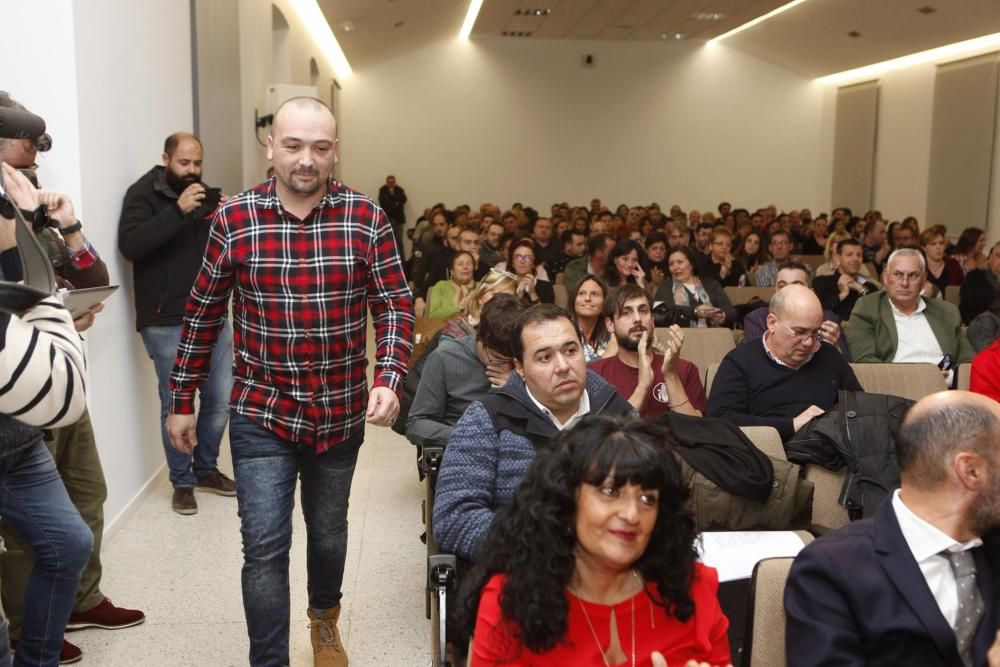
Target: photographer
(42, 370)
(163, 231)
(76, 264)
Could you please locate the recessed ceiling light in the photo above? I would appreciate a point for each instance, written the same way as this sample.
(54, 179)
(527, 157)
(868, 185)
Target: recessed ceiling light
(347, 26)
(707, 16)
(664, 36)
(678, 35)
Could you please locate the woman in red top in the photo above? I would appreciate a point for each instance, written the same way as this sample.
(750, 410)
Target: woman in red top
(593, 563)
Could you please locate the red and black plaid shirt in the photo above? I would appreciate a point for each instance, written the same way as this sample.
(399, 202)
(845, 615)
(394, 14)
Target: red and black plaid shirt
(300, 291)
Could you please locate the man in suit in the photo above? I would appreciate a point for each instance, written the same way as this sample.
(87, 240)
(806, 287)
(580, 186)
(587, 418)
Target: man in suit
(899, 325)
(840, 291)
(916, 584)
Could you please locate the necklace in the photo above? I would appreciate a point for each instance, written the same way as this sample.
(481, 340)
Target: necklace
(593, 633)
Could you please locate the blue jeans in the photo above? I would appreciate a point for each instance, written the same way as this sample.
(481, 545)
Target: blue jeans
(161, 346)
(34, 501)
(266, 470)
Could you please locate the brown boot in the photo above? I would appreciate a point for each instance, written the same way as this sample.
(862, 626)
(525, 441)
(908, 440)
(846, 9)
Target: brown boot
(327, 649)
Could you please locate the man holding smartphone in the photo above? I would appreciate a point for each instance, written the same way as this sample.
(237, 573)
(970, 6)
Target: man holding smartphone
(163, 231)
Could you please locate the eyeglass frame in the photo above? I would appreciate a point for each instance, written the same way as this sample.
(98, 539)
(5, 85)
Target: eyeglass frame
(816, 336)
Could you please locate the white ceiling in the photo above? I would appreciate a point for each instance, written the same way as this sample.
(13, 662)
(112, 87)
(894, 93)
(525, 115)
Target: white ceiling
(811, 38)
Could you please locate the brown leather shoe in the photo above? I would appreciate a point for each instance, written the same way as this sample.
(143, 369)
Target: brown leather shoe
(184, 502)
(217, 483)
(327, 649)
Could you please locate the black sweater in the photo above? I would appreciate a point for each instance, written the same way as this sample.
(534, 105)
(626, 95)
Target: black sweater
(750, 389)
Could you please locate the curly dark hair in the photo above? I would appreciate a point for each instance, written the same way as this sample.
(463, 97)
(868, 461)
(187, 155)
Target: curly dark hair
(532, 540)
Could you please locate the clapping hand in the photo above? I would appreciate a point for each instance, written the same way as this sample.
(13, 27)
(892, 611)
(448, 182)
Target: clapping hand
(672, 349)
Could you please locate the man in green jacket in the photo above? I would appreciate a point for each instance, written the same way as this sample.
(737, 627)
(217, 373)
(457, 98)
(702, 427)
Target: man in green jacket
(899, 325)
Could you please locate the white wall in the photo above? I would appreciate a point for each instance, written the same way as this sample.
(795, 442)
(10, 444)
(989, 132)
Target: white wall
(258, 71)
(111, 81)
(903, 146)
(501, 120)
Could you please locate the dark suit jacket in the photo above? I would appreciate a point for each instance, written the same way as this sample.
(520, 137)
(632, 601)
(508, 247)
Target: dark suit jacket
(829, 294)
(857, 597)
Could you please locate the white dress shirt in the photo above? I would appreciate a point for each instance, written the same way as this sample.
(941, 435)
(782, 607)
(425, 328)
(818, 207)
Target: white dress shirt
(926, 544)
(916, 340)
(584, 409)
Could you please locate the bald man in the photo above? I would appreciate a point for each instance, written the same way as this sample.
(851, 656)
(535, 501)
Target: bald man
(163, 230)
(917, 583)
(304, 255)
(788, 377)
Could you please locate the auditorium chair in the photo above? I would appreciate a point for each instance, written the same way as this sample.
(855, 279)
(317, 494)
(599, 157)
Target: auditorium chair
(764, 641)
(710, 377)
(561, 296)
(812, 261)
(767, 440)
(703, 347)
(964, 376)
(951, 294)
(913, 381)
(740, 295)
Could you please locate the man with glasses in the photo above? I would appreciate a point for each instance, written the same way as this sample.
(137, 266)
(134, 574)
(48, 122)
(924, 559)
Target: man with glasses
(790, 376)
(780, 248)
(458, 372)
(899, 325)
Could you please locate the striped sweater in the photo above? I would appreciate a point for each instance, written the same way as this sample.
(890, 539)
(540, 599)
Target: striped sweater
(42, 374)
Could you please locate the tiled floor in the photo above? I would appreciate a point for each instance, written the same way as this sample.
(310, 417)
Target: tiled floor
(184, 572)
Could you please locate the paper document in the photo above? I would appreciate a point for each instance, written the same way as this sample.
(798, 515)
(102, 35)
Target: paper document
(734, 554)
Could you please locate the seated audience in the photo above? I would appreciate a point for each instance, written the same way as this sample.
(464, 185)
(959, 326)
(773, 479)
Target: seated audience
(678, 235)
(985, 377)
(703, 301)
(656, 260)
(875, 248)
(900, 325)
(460, 371)
(623, 266)
(793, 273)
(546, 246)
(489, 245)
(840, 291)
(969, 249)
(780, 248)
(586, 298)
(830, 254)
(435, 251)
(594, 564)
(941, 271)
(985, 328)
(815, 243)
(703, 239)
(532, 285)
(720, 265)
(447, 297)
(574, 245)
(917, 583)
(493, 443)
(653, 381)
(592, 264)
(790, 377)
(751, 253)
(981, 287)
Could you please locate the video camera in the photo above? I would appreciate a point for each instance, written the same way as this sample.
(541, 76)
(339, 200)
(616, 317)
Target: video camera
(39, 279)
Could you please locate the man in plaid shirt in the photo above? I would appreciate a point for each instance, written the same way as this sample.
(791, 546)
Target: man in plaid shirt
(302, 255)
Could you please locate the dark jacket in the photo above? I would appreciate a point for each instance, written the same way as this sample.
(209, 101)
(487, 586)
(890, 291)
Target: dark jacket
(489, 452)
(828, 291)
(164, 246)
(857, 597)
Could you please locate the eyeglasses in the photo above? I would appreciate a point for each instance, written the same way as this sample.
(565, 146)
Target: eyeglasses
(812, 336)
(494, 359)
(524, 258)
